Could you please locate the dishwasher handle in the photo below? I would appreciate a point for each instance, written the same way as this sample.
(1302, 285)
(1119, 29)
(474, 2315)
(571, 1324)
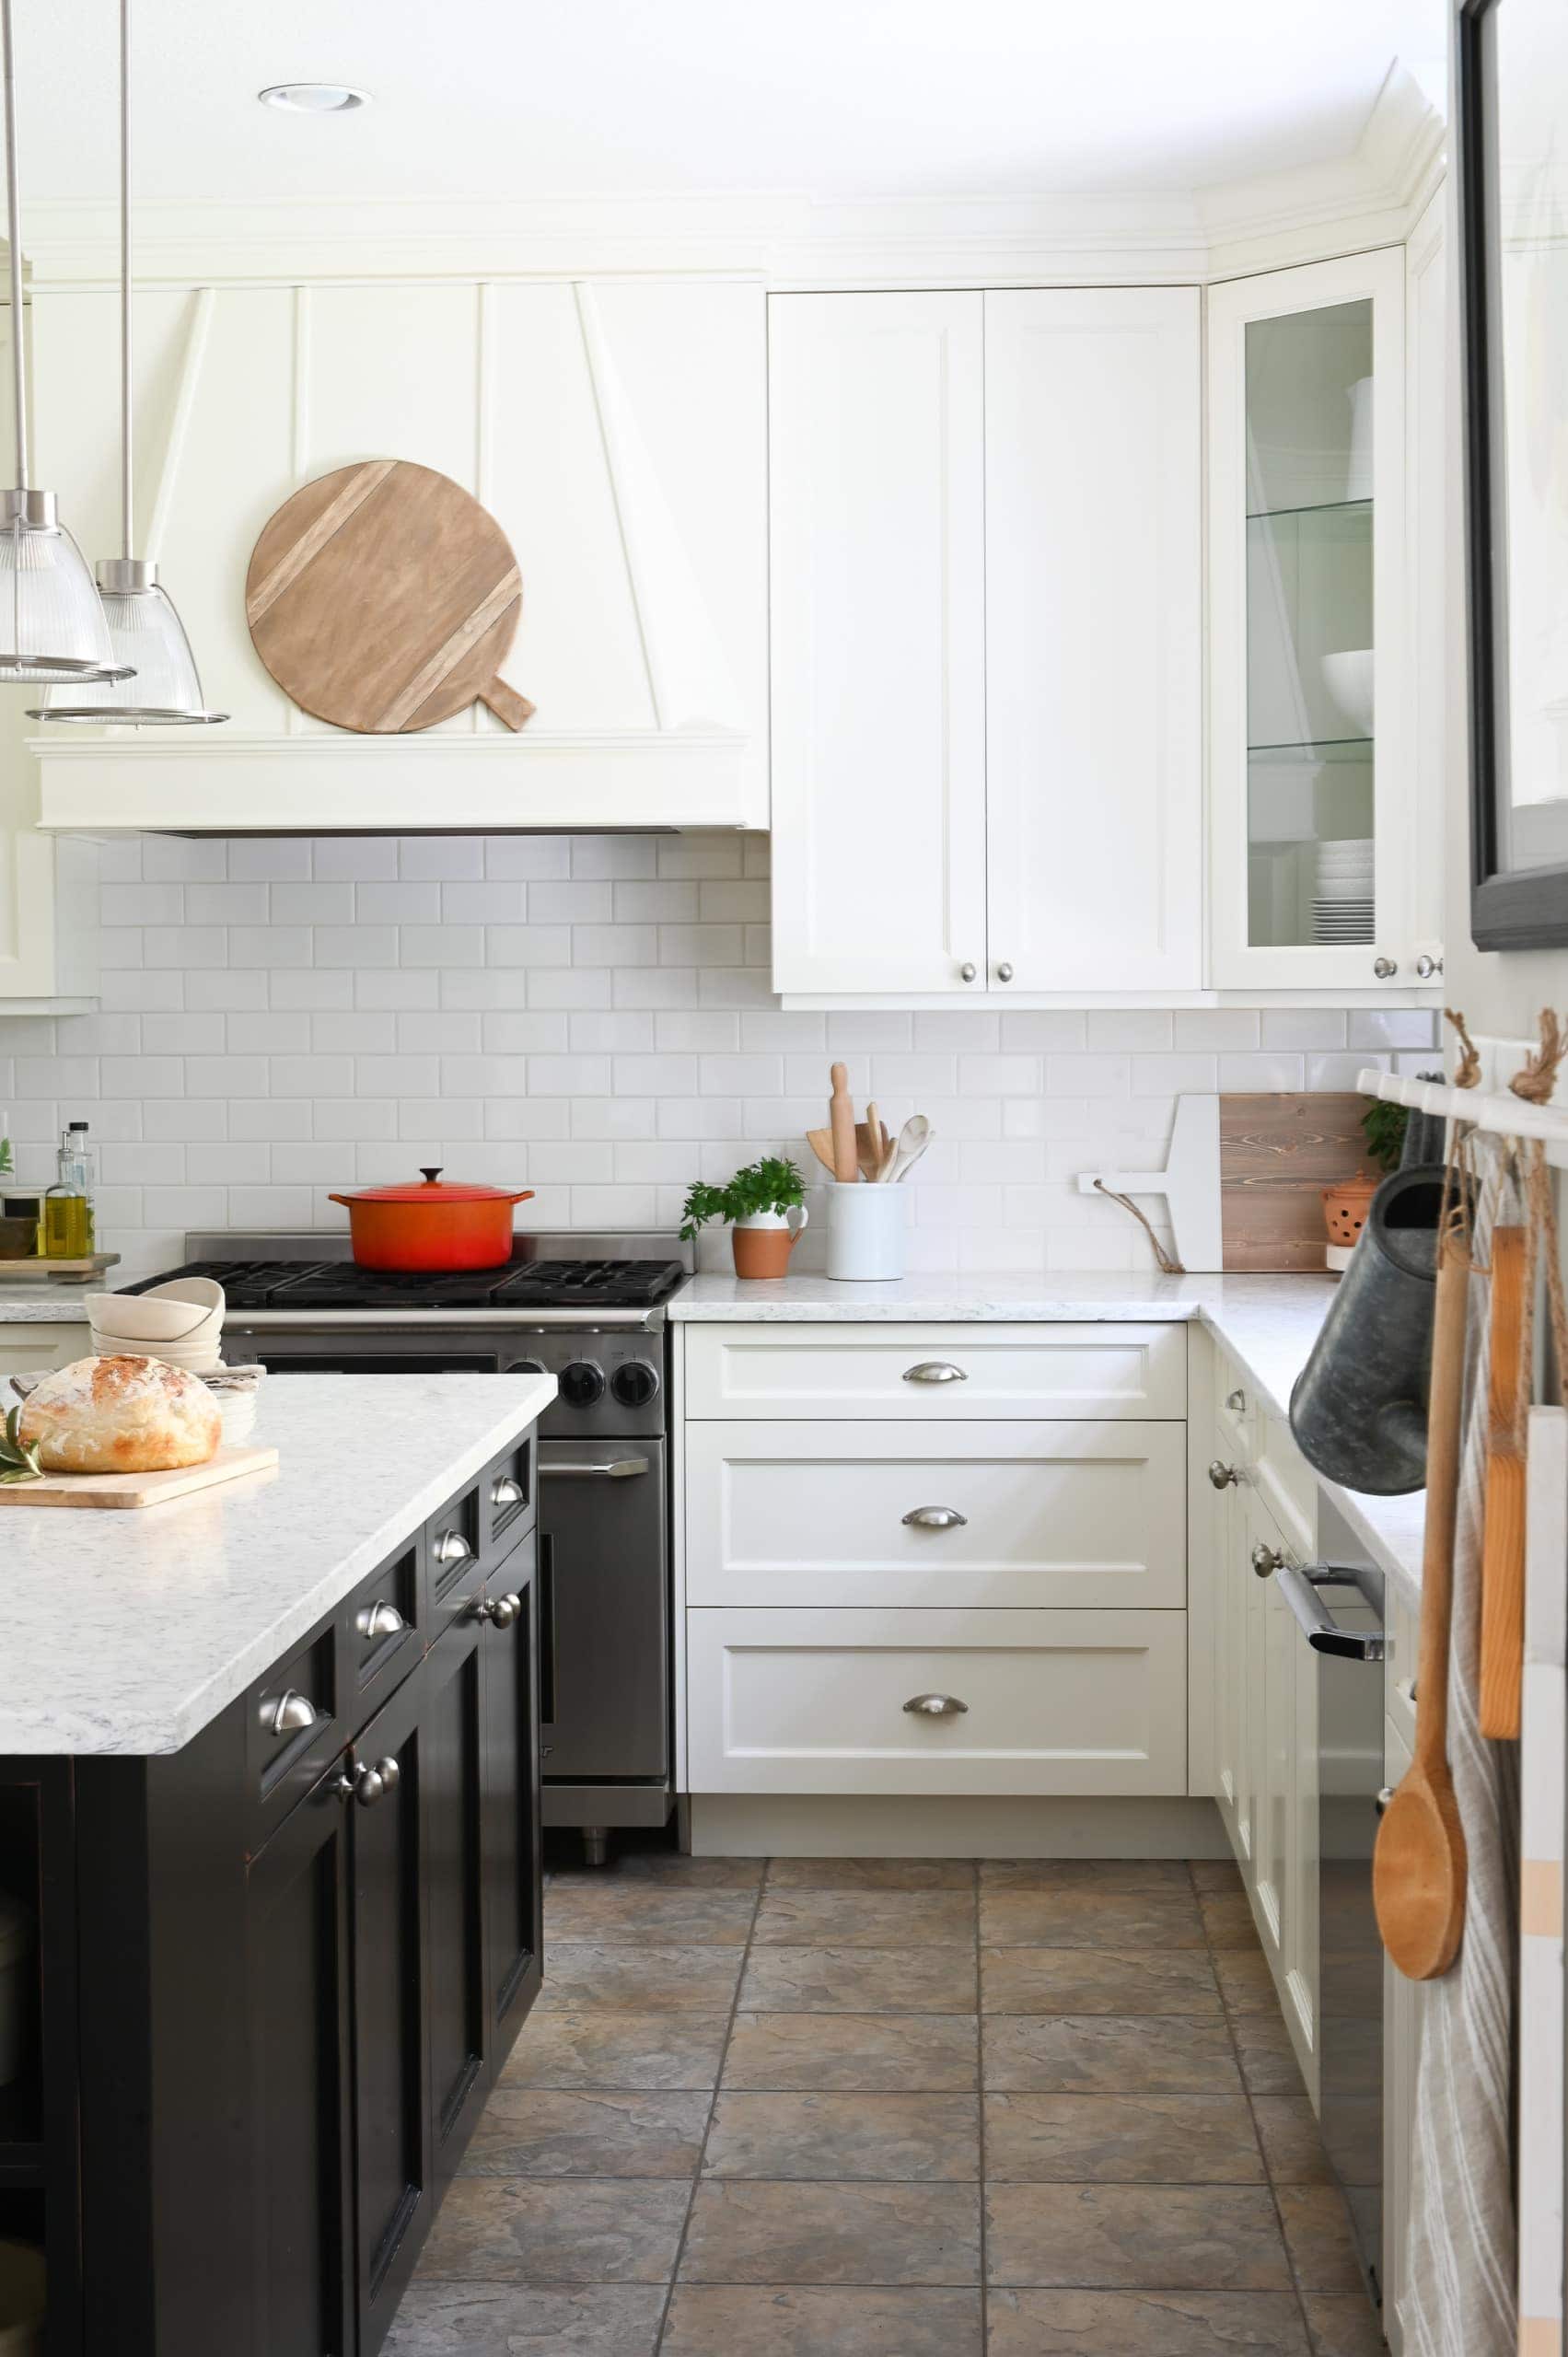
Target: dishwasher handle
(1299, 1587)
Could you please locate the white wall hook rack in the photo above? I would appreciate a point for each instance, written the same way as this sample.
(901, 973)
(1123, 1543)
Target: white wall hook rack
(1504, 1114)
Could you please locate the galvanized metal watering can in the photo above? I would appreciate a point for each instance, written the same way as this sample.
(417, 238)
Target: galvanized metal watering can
(1359, 1407)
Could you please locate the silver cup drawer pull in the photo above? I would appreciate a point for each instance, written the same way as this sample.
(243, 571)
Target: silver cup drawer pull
(452, 1547)
(289, 1712)
(380, 1620)
(937, 1518)
(935, 1371)
(936, 1706)
(505, 1493)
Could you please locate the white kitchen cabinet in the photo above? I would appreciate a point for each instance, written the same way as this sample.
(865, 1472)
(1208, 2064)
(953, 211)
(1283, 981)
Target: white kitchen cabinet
(876, 471)
(24, 1348)
(1093, 602)
(986, 612)
(927, 1375)
(1318, 800)
(1077, 1703)
(832, 1514)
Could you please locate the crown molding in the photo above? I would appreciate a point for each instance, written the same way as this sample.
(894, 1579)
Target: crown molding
(784, 239)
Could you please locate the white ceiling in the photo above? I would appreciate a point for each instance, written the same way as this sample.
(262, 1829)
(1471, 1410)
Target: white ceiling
(830, 99)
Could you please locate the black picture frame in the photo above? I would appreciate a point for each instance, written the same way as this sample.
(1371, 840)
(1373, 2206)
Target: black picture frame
(1519, 908)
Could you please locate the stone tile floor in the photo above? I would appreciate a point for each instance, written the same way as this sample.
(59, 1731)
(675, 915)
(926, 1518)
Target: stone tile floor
(900, 2107)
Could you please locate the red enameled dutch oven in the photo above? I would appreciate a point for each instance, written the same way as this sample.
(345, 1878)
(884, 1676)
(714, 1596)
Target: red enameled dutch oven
(431, 1225)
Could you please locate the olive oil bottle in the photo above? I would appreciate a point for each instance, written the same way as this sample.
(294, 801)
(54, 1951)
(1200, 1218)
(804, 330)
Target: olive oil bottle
(68, 1232)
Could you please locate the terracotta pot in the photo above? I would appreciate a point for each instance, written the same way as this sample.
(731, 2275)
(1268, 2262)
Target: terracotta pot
(763, 1243)
(430, 1225)
(1345, 1207)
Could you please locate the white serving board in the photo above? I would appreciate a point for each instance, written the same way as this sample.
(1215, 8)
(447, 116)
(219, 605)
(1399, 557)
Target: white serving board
(121, 1492)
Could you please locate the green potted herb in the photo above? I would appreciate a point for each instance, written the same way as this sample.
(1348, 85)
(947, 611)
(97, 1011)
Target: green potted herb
(765, 1206)
(1384, 1127)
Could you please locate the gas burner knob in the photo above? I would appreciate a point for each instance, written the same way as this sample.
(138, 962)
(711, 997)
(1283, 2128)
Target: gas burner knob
(634, 1383)
(582, 1384)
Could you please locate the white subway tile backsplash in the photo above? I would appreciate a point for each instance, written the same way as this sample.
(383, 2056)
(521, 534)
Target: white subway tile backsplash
(591, 1016)
(313, 903)
(234, 904)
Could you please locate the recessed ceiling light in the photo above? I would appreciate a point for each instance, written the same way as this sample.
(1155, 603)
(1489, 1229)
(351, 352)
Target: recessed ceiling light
(314, 98)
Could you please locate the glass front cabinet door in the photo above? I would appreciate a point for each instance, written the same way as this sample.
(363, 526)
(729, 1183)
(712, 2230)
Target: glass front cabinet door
(1313, 799)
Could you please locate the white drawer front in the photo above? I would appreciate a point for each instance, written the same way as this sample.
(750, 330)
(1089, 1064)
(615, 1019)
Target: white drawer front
(1083, 1704)
(926, 1374)
(1053, 1514)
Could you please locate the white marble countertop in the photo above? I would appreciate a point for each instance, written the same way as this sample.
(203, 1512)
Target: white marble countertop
(130, 1632)
(1269, 1324)
(43, 1305)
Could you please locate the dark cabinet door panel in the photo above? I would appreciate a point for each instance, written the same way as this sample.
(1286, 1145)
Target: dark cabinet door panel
(453, 1734)
(511, 1842)
(391, 2138)
(297, 1984)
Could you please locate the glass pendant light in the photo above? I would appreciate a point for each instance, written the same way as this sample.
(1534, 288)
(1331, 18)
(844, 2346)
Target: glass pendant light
(52, 623)
(147, 636)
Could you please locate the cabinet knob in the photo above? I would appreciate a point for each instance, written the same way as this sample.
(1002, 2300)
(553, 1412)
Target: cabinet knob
(936, 1706)
(1266, 1559)
(380, 1620)
(1224, 1477)
(1385, 969)
(368, 1784)
(1237, 1402)
(1384, 1797)
(937, 1518)
(1428, 969)
(935, 1371)
(289, 1712)
(1003, 972)
(499, 1610)
(967, 971)
(505, 1493)
(452, 1547)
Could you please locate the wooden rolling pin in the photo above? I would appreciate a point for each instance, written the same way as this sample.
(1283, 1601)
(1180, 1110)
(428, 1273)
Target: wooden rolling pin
(1419, 1865)
(841, 1121)
(1503, 1548)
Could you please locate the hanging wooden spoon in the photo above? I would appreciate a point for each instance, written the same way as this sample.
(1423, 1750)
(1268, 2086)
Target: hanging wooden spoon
(1502, 1547)
(1419, 1866)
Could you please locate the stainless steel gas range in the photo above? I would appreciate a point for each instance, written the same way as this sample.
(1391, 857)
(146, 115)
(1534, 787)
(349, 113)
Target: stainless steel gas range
(590, 1310)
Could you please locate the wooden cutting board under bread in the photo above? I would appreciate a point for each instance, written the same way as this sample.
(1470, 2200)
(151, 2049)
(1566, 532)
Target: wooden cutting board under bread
(1277, 1154)
(121, 1493)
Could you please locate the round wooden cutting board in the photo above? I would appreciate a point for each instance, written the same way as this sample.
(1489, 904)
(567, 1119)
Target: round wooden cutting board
(383, 599)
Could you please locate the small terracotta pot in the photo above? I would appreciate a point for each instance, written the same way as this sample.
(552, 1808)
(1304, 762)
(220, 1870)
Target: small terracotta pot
(1345, 1207)
(763, 1243)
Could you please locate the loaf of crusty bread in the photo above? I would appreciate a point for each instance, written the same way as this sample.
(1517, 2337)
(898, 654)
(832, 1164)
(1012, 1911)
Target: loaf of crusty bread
(121, 1415)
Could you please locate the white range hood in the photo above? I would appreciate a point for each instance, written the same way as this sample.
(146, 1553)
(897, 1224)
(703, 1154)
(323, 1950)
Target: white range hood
(617, 430)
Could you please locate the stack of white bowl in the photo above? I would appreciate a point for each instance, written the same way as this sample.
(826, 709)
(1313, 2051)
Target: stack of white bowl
(181, 1322)
(1342, 900)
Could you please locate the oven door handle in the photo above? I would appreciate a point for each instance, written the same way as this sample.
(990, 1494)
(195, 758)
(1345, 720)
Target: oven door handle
(1323, 1633)
(617, 1469)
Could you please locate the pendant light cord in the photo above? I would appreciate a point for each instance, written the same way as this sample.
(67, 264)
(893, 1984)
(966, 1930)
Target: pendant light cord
(13, 232)
(125, 416)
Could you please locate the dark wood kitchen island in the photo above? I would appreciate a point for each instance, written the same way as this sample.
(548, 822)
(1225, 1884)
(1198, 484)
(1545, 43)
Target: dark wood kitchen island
(269, 1784)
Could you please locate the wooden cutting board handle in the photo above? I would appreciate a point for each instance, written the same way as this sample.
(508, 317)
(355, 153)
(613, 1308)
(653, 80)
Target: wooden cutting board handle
(507, 705)
(1502, 1547)
(1419, 1866)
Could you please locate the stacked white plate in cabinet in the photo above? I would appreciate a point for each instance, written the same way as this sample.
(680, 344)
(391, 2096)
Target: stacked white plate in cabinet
(1344, 908)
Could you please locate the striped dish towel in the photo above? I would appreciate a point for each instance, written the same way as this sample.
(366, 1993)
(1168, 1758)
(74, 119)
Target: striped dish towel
(1461, 2301)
